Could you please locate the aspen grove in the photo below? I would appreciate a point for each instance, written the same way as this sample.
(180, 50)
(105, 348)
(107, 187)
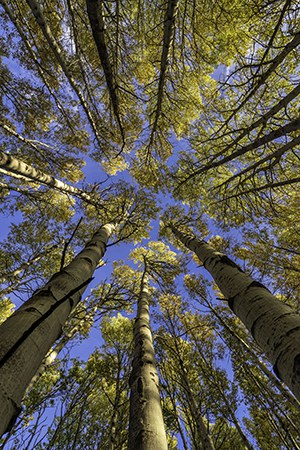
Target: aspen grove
(150, 231)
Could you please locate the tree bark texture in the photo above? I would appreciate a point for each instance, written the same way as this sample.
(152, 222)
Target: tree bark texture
(283, 390)
(146, 426)
(28, 334)
(13, 166)
(273, 324)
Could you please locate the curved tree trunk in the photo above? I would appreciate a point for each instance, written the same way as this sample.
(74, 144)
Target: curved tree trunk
(28, 334)
(272, 323)
(146, 425)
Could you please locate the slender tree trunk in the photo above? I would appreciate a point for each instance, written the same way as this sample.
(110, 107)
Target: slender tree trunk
(272, 323)
(290, 46)
(294, 125)
(53, 44)
(179, 427)
(209, 374)
(146, 425)
(266, 186)
(283, 103)
(97, 22)
(237, 425)
(28, 334)
(169, 25)
(13, 166)
(202, 430)
(275, 156)
(14, 273)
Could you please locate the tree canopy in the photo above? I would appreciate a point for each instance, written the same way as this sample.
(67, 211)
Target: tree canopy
(147, 117)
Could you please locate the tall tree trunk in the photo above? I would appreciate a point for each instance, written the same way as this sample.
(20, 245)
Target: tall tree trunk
(97, 22)
(169, 25)
(283, 390)
(36, 9)
(213, 380)
(13, 166)
(28, 334)
(272, 323)
(202, 430)
(201, 427)
(146, 425)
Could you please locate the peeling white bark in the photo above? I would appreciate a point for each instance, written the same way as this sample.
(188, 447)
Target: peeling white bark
(272, 323)
(146, 426)
(28, 334)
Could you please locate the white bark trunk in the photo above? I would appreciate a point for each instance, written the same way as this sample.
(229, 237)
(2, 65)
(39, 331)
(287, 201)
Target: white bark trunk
(146, 426)
(27, 335)
(13, 166)
(272, 323)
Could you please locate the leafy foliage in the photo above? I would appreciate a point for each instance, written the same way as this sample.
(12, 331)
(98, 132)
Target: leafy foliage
(179, 111)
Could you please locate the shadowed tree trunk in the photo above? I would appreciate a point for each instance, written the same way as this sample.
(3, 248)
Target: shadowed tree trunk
(272, 323)
(146, 425)
(28, 334)
(96, 18)
(169, 25)
(45, 29)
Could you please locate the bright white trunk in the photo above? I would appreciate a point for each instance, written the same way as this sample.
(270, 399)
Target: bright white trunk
(272, 323)
(146, 426)
(28, 334)
(13, 166)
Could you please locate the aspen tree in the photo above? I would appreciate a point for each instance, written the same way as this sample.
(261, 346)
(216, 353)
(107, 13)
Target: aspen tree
(273, 324)
(146, 425)
(14, 167)
(28, 334)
